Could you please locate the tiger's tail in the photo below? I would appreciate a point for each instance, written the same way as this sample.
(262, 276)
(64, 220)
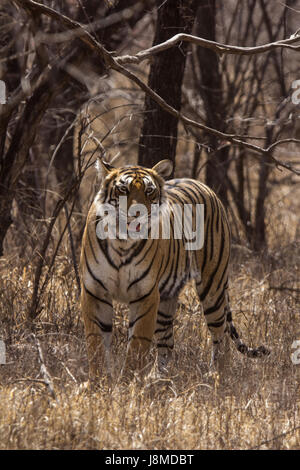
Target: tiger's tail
(240, 346)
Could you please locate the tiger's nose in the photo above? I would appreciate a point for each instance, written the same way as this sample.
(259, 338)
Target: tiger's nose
(136, 184)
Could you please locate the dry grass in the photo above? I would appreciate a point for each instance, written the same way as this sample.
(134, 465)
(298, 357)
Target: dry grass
(257, 403)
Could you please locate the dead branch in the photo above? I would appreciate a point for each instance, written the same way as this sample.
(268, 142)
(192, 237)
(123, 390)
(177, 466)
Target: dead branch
(115, 64)
(233, 138)
(213, 45)
(34, 311)
(83, 33)
(98, 24)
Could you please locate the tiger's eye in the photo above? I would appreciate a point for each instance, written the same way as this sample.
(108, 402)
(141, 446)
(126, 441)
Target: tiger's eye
(122, 188)
(150, 190)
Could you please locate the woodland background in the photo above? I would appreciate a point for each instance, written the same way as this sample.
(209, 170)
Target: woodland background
(77, 87)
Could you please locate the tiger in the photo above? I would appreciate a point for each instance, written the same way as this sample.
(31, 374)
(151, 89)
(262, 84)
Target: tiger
(148, 272)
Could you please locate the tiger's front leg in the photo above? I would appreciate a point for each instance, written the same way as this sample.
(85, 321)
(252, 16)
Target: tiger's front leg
(98, 316)
(142, 322)
(164, 332)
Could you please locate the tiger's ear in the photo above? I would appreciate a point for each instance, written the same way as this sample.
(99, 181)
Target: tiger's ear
(103, 167)
(164, 168)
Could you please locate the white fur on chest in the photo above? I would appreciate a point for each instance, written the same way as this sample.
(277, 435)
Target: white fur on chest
(118, 281)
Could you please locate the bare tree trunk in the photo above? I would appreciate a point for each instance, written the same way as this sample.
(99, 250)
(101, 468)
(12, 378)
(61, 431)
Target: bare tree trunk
(211, 91)
(259, 239)
(158, 138)
(16, 156)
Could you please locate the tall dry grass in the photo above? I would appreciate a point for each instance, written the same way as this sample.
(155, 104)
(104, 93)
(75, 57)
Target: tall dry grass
(255, 405)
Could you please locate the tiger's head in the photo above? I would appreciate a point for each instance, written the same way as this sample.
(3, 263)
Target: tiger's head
(139, 184)
(133, 190)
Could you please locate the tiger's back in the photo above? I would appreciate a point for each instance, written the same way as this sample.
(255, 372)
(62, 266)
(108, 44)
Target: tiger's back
(208, 265)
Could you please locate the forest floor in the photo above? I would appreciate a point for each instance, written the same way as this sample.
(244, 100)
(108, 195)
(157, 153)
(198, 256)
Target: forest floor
(256, 404)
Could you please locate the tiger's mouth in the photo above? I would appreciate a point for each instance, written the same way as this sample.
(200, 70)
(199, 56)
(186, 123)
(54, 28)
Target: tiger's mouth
(134, 226)
(137, 227)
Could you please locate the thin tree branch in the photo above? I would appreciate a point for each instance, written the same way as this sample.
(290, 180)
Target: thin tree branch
(215, 46)
(98, 24)
(72, 246)
(290, 431)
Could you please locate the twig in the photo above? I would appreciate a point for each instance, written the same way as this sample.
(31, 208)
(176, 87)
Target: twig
(28, 379)
(47, 377)
(32, 313)
(72, 247)
(68, 372)
(291, 289)
(275, 437)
